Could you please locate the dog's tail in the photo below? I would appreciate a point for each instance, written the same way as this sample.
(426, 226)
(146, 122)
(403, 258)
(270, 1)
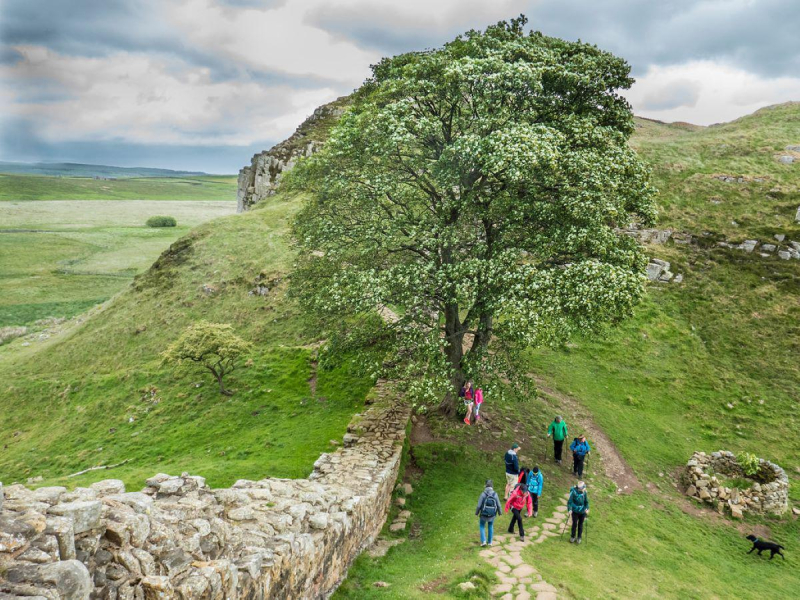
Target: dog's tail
(781, 547)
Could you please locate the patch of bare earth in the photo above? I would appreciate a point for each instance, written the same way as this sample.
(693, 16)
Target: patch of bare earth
(614, 466)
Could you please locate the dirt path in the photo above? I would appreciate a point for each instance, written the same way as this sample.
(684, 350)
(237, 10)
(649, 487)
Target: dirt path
(578, 417)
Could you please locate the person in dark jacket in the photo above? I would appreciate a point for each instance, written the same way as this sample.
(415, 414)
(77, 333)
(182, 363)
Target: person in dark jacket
(512, 469)
(558, 429)
(580, 449)
(488, 508)
(578, 506)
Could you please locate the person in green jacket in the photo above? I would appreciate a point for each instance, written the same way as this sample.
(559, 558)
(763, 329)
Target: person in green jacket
(558, 429)
(578, 506)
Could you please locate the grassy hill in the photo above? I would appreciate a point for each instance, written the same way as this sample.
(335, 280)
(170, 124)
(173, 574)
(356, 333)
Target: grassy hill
(46, 187)
(94, 393)
(707, 364)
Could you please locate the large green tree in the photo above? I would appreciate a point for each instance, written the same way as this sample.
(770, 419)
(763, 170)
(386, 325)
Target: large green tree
(476, 190)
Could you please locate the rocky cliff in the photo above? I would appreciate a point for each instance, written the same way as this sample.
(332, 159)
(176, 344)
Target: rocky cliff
(178, 538)
(261, 178)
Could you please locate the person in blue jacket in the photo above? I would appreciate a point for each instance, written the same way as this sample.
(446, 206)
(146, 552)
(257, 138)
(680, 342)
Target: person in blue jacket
(512, 469)
(535, 485)
(580, 449)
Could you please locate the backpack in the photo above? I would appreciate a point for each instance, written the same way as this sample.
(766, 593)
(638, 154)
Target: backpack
(533, 482)
(579, 501)
(489, 508)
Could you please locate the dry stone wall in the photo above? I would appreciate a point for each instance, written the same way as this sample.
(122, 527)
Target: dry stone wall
(178, 538)
(767, 494)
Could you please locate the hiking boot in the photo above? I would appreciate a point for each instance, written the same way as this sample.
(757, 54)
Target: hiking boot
(483, 544)
(511, 531)
(466, 421)
(579, 540)
(572, 540)
(522, 538)
(535, 514)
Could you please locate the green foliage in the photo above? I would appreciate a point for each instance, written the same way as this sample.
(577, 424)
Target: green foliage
(475, 189)
(749, 463)
(210, 346)
(161, 221)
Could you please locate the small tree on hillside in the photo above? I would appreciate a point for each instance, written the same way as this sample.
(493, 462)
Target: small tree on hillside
(211, 346)
(477, 190)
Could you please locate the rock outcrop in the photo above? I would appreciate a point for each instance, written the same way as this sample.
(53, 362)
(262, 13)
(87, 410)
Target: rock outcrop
(260, 180)
(178, 538)
(768, 492)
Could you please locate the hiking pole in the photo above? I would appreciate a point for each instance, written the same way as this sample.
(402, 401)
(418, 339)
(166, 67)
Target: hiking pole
(546, 442)
(565, 527)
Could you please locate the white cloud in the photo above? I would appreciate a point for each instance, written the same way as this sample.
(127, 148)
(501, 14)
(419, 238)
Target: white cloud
(719, 92)
(145, 99)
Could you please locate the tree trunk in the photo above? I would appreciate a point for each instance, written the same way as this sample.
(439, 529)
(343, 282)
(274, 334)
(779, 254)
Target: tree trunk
(222, 390)
(454, 337)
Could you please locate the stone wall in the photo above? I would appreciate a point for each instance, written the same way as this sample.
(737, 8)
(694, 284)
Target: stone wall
(768, 493)
(260, 179)
(178, 538)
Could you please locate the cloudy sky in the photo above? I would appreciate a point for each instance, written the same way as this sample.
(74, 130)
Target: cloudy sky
(203, 84)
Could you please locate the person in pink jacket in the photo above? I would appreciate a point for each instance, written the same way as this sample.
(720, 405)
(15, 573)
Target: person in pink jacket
(517, 501)
(478, 402)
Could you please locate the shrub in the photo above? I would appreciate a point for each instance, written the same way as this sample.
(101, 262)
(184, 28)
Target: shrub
(161, 221)
(748, 462)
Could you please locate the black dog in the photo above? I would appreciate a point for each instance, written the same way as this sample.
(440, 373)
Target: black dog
(761, 546)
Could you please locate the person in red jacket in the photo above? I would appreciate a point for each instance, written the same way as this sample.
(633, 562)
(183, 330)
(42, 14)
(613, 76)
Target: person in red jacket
(518, 500)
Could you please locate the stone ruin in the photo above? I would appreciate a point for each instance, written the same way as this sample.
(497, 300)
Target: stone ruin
(767, 494)
(178, 538)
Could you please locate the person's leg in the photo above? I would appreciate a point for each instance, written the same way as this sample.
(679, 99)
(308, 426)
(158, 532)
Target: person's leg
(490, 530)
(513, 519)
(574, 464)
(481, 527)
(579, 465)
(557, 446)
(521, 526)
(574, 527)
(535, 498)
(580, 525)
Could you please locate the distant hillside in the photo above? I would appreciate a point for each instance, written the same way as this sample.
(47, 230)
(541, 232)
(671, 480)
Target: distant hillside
(82, 170)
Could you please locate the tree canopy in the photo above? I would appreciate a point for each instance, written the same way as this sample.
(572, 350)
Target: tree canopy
(477, 190)
(210, 346)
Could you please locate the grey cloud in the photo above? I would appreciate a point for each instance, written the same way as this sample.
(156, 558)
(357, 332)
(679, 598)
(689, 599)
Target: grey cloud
(760, 36)
(19, 142)
(679, 93)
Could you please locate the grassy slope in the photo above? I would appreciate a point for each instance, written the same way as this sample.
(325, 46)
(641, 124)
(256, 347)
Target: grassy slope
(659, 386)
(83, 397)
(44, 187)
(59, 258)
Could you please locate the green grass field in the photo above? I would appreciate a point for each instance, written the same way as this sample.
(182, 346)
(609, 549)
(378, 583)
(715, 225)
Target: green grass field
(58, 257)
(44, 187)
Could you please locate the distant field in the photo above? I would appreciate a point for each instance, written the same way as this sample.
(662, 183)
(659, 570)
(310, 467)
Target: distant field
(43, 187)
(59, 258)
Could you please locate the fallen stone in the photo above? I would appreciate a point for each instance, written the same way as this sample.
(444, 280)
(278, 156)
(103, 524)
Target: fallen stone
(380, 584)
(466, 586)
(400, 501)
(736, 511)
(780, 237)
(786, 159)
(398, 526)
(784, 254)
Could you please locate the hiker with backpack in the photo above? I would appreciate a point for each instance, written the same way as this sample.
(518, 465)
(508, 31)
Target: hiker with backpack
(512, 469)
(578, 506)
(558, 429)
(535, 484)
(517, 502)
(580, 449)
(488, 509)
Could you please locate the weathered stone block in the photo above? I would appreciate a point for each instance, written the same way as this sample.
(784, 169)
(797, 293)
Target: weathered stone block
(69, 578)
(84, 515)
